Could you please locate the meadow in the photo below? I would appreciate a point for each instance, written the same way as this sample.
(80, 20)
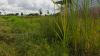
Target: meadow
(71, 32)
(35, 36)
(23, 36)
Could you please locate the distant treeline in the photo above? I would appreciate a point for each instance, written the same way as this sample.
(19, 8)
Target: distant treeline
(39, 13)
(21, 14)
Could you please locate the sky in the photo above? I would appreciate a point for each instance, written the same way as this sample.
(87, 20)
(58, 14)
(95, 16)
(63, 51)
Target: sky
(26, 6)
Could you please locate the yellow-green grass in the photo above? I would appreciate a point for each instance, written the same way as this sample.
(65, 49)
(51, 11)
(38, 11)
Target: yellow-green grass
(31, 36)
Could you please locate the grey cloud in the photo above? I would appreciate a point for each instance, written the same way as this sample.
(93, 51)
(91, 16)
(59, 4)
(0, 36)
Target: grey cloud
(34, 5)
(11, 1)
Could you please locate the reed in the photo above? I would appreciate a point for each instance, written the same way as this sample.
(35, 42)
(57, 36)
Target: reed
(76, 31)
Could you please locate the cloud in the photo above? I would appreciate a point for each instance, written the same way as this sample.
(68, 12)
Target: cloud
(26, 5)
(3, 2)
(29, 5)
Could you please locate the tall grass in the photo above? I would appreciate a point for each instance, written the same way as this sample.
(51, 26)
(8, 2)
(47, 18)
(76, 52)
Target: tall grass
(76, 31)
(73, 32)
(6, 50)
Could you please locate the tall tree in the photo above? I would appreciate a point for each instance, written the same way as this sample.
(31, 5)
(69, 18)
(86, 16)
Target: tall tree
(63, 3)
(22, 14)
(48, 12)
(40, 11)
(0, 13)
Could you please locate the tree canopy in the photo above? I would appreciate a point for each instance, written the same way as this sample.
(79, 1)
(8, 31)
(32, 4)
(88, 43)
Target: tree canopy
(64, 2)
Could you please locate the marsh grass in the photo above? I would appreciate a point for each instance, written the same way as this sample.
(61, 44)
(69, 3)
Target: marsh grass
(71, 33)
(6, 50)
(76, 32)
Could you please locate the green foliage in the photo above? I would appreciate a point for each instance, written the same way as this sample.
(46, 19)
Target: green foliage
(40, 11)
(6, 50)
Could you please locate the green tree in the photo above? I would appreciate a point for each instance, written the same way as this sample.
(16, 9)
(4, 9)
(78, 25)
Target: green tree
(47, 11)
(40, 11)
(63, 4)
(21, 13)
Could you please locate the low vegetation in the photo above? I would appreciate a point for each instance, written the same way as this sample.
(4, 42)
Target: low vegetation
(35, 36)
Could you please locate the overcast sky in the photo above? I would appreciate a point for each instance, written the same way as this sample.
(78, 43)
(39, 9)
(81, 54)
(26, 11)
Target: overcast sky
(26, 5)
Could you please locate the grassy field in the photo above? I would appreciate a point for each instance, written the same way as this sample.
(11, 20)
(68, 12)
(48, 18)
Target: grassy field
(23, 36)
(34, 36)
(73, 31)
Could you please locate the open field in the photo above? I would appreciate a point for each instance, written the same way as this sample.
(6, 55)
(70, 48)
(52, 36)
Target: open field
(23, 36)
(50, 28)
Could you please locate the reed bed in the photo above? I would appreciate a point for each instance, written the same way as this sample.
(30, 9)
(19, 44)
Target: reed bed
(76, 31)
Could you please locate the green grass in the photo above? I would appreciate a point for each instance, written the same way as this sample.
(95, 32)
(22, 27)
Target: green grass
(23, 36)
(67, 34)
(78, 32)
(49, 36)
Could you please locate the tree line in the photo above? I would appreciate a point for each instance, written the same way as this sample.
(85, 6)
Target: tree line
(40, 13)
